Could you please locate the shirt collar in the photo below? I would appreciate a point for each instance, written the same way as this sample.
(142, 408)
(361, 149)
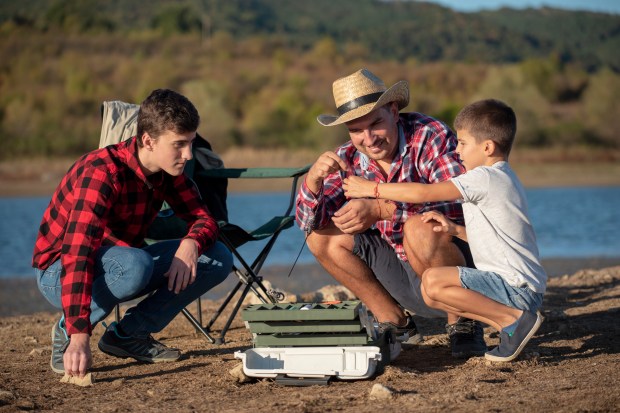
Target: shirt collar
(129, 150)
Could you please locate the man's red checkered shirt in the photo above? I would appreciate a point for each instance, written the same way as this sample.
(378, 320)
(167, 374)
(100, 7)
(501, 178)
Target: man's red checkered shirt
(105, 199)
(426, 154)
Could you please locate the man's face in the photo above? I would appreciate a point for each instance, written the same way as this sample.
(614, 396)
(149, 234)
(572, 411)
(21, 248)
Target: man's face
(171, 151)
(376, 134)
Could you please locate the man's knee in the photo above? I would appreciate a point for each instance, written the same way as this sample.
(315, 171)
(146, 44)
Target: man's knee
(323, 244)
(420, 234)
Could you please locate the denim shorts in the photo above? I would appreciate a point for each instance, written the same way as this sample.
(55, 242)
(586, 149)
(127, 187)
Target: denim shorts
(493, 286)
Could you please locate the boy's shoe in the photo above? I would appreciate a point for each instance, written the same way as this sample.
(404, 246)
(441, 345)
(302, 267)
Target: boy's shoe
(405, 334)
(511, 345)
(466, 338)
(60, 342)
(145, 349)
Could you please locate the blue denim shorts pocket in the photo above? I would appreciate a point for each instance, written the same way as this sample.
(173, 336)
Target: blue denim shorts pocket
(493, 286)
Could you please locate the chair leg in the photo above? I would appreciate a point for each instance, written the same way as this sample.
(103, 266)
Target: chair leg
(198, 325)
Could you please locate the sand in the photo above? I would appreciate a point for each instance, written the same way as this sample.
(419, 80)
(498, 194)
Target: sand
(572, 364)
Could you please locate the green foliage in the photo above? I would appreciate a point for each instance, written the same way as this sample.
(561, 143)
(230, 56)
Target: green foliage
(176, 18)
(602, 107)
(260, 71)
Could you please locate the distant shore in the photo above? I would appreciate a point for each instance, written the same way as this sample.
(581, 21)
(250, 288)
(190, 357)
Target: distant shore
(537, 168)
(20, 296)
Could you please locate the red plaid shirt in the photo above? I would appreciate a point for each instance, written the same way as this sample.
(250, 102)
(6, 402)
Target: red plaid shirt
(426, 154)
(105, 199)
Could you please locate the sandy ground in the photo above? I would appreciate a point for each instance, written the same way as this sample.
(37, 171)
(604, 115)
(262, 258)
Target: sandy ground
(572, 364)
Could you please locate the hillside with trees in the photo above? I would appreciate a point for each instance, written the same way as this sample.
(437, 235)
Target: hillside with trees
(260, 71)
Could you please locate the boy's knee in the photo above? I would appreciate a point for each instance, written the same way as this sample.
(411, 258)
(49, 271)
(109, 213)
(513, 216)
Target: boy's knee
(216, 263)
(138, 273)
(430, 284)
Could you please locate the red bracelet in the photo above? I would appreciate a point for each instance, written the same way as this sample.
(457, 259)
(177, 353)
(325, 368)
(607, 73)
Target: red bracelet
(377, 191)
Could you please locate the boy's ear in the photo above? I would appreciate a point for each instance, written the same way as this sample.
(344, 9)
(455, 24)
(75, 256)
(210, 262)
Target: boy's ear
(489, 147)
(147, 141)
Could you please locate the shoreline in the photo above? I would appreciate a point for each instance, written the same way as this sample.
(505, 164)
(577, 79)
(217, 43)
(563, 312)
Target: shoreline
(20, 295)
(536, 168)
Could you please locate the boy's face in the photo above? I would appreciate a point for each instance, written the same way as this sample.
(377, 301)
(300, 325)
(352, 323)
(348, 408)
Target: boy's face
(170, 152)
(376, 134)
(472, 153)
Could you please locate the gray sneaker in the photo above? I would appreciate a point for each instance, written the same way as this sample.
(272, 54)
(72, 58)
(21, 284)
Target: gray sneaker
(511, 345)
(405, 334)
(145, 349)
(60, 342)
(466, 338)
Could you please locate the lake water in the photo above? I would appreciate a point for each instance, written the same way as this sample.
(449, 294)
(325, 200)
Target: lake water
(569, 222)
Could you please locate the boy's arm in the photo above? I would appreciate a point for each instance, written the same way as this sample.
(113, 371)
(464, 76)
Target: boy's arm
(411, 192)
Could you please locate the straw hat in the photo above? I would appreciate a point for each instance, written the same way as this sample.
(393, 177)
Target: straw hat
(360, 93)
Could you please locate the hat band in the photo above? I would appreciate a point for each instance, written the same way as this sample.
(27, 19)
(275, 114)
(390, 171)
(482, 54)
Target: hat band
(360, 101)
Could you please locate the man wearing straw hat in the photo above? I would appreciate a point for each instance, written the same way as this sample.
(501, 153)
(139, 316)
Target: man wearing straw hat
(373, 247)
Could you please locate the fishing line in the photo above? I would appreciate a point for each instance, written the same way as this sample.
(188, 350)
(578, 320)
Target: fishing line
(299, 254)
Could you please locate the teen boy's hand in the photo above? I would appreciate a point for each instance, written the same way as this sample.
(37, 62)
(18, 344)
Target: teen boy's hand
(182, 271)
(78, 358)
(445, 224)
(358, 187)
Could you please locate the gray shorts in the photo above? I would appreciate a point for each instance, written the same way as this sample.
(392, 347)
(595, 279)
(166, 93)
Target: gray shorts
(396, 276)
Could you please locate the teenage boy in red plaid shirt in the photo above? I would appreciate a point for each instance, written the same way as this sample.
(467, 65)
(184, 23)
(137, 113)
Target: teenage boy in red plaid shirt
(378, 249)
(90, 252)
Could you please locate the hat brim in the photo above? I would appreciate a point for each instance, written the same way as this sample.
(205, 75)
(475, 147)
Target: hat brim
(398, 93)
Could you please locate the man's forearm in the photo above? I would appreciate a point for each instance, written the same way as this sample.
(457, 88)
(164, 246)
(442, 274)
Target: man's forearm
(386, 208)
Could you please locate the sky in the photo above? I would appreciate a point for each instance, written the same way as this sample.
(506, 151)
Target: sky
(604, 6)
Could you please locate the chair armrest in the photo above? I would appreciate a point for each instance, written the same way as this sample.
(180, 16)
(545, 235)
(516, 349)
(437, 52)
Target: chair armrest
(255, 173)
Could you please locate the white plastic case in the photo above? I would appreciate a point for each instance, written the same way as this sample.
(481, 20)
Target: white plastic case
(347, 363)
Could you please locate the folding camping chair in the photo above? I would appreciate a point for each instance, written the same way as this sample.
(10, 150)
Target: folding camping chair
(119, 120)
(234, 237)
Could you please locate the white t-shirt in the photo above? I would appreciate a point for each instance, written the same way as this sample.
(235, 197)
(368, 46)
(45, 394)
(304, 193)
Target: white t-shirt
(499, 232)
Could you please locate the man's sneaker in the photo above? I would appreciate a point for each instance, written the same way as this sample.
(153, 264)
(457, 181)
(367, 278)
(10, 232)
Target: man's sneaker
(510, 345)
(60, 342)
(145, 349)
(466, 338)
(407, 333)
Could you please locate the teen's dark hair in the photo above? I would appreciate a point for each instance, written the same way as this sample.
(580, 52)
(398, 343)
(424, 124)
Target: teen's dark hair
(166, 110)
(489, 119)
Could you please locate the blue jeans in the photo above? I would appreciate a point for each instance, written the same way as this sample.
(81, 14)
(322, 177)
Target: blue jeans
(124, 273)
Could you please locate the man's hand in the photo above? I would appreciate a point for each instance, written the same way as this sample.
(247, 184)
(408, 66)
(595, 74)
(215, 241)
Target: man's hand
(182, 271)
(356, 216)
(445, 224)
(358, 187)
(77, 358)
(325, 165)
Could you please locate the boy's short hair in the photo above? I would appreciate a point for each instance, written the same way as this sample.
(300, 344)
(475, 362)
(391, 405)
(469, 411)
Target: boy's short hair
(489, 119)
(166, 110)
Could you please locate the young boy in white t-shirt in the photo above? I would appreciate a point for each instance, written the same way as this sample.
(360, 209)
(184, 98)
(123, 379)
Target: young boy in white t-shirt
(506, 289)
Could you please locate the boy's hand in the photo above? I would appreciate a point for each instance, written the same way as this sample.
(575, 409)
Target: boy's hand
(182, 271)
(357, 187)
(78, 358)
(446, 225)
